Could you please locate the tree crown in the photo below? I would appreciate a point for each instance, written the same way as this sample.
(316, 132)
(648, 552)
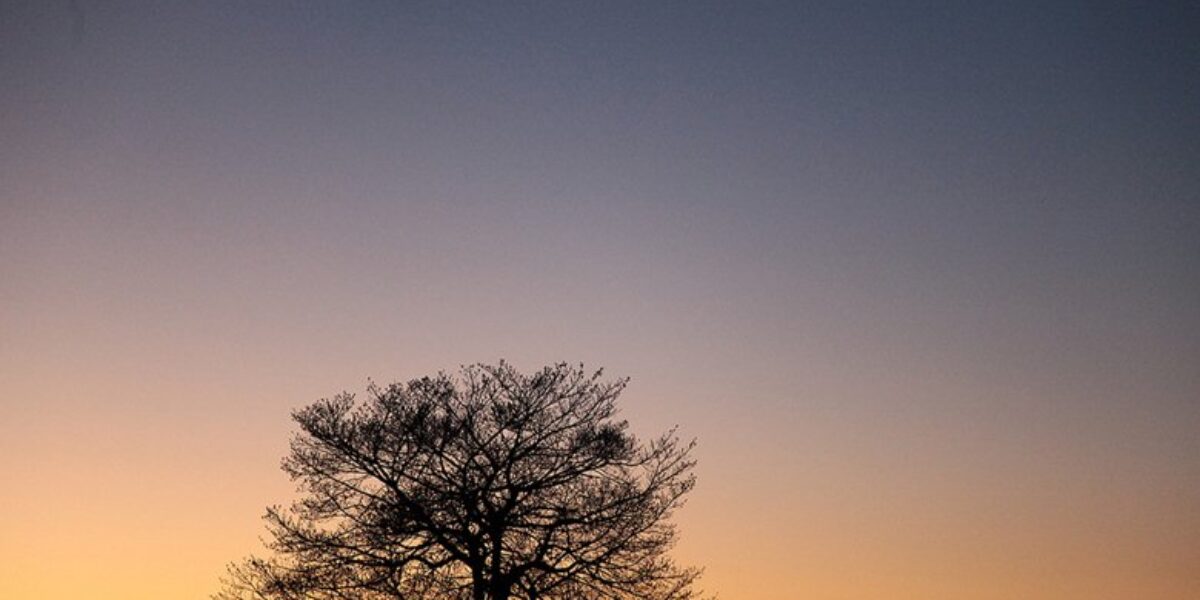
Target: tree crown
(488, 484)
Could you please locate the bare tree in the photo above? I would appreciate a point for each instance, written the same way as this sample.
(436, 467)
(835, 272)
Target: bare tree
(488, 485)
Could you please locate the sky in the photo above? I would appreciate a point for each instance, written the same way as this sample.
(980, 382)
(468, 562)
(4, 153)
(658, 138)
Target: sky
(922, 279)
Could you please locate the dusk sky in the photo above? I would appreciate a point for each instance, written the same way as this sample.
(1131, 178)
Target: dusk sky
(922, 278)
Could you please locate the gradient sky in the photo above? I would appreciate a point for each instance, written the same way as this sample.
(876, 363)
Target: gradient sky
(922, 278)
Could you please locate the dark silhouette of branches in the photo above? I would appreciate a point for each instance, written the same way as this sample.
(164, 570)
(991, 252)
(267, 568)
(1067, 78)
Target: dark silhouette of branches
(486, 485)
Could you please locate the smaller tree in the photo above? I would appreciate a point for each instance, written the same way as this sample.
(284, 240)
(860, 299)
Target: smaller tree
(485, 486)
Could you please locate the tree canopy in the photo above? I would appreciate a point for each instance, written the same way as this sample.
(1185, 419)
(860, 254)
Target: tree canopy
(484, 485)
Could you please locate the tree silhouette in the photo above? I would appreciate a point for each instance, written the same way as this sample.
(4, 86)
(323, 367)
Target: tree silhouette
(486, 485)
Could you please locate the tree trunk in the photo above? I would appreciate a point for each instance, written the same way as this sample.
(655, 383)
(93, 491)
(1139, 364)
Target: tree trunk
(500, 591)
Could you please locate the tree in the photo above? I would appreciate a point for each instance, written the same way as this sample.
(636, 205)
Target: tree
(488, 485)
